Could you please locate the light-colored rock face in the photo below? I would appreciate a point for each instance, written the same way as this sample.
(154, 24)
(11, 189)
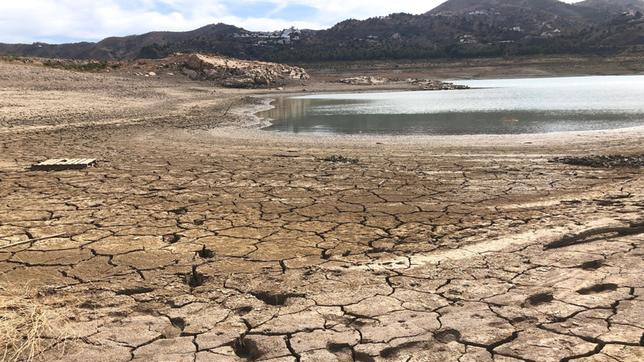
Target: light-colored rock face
(234, 72)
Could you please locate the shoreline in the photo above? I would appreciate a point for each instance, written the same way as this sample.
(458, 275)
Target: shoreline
(437, 141)
(545, 138)
(253, 129)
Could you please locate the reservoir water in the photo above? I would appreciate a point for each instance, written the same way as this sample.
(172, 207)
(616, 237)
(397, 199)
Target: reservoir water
(494, 106)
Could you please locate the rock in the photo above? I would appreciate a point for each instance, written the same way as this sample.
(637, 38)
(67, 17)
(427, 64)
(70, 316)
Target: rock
(340, 159)
(190, 73)
(425, 84)
(429, 84)
(364, 80)
(152, 74)
(235, 73)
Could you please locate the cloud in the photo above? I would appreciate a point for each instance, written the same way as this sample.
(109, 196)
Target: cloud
(88, 20)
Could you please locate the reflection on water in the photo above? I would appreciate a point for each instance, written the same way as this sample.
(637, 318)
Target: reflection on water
(498, 107)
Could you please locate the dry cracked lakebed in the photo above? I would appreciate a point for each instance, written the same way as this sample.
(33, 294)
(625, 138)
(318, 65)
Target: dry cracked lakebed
(186, 246)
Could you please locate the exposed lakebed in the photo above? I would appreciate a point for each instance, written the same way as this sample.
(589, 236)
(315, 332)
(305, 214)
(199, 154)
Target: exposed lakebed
(495, 106)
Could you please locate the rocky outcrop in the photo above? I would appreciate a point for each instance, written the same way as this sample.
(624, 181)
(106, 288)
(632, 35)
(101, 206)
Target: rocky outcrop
(424, 84)
(235, 73)
(429, 84)
(364, 80)
(228, 72)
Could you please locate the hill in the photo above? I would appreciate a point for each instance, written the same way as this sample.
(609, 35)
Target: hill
(455, 29)
(612, 5)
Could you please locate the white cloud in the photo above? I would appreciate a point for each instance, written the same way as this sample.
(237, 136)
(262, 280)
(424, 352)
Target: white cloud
(90, 20)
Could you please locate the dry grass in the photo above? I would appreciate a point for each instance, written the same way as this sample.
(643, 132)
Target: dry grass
(27, 326)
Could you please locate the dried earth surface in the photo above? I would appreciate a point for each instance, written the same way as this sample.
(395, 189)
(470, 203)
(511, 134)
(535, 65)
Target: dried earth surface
(199, 237)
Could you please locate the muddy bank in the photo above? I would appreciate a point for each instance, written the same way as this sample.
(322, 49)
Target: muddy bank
(607, 161)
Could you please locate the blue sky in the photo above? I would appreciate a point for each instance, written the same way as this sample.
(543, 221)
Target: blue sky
(58, 21)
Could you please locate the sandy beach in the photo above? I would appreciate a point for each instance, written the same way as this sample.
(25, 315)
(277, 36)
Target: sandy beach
(200, 237)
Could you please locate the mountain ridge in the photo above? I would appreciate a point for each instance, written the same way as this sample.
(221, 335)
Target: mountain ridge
(456, 28)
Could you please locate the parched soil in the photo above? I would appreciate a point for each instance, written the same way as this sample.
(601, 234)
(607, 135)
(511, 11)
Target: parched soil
(197, 238)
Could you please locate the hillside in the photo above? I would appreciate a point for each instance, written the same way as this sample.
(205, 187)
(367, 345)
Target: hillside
(612, 5)
(455, 29)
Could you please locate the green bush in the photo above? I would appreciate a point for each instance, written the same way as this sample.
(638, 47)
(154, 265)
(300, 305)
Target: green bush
(89, 66)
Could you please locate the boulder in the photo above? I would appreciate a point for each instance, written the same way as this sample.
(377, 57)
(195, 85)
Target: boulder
(190, 73)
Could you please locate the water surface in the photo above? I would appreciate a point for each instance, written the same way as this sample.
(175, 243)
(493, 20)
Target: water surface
(495, 106)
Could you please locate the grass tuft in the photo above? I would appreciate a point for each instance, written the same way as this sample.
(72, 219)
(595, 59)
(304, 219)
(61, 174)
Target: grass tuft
(27, 326)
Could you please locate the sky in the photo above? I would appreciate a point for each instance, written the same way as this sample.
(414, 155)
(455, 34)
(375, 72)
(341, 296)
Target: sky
(63, 21)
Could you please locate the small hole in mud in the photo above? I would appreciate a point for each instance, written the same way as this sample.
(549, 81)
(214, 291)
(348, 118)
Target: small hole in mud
(359, 323)
(178, 322)
(523, 319)
(393, 351)
(179, 211)
(598, 288)
(171, 238)
(206, 253)
(362, 357)
(243, 310)
(276, 299)
(245, 348)
(539, 299)
(376, 251)
(592, 265)
(448, 335)
(338, 347)
(134, 291)
(89, 305)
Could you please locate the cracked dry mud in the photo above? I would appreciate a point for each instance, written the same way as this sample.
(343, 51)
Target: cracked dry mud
(184, 245)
